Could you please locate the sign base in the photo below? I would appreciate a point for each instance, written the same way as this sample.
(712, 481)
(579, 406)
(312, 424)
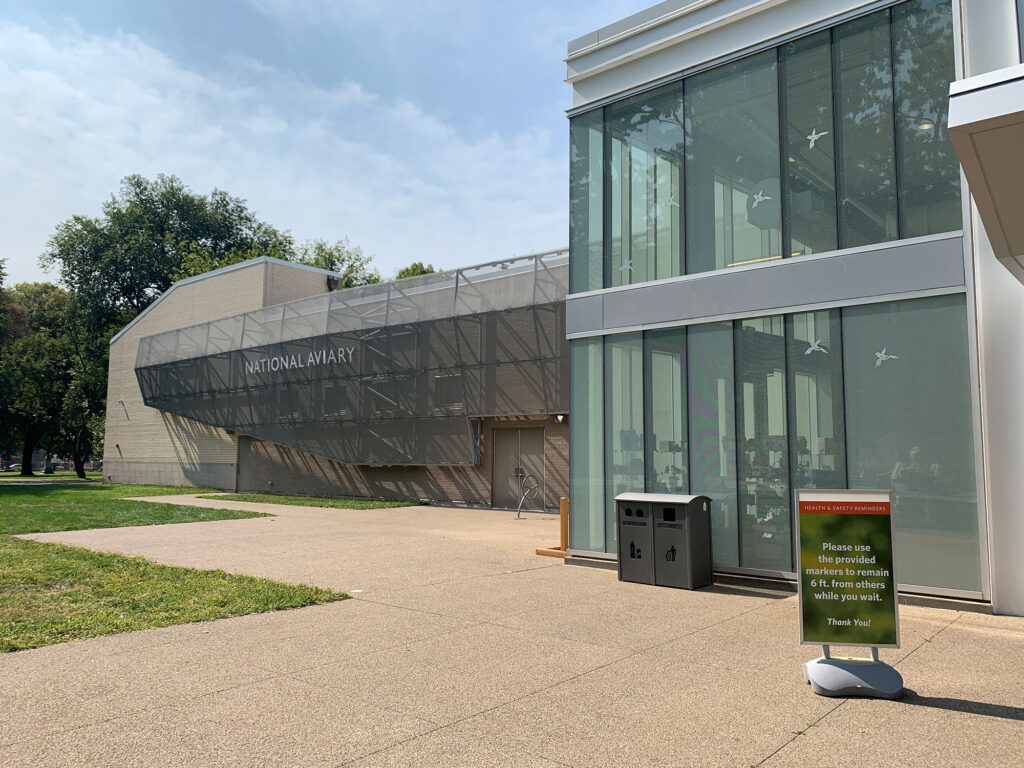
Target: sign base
(853, 677)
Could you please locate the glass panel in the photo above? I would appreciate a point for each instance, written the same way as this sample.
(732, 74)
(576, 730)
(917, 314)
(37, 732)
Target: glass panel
(910, 428)
(665, 411)
(586, 150)
(623, 422)
(586, 445)
(806, 76)
(732, 165)
(929, 172)
(645, 139)
(766, 538)
(712, 420)
(867, 173)
(1020, 26)
(817, 445)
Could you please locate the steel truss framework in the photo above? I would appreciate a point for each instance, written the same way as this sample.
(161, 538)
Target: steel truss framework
(391, 374)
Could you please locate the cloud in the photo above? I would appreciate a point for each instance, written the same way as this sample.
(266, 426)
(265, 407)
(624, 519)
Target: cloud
(82, 111)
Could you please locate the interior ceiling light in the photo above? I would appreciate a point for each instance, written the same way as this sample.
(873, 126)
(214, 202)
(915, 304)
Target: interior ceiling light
(926, 126)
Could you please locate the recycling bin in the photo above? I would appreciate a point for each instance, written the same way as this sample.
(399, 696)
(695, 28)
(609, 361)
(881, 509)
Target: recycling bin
(664, 539)
(636, 539)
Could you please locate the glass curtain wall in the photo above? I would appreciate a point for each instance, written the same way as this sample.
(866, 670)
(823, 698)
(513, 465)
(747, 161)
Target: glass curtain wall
(586, 437)
(586, 169)
(909, 428)
(929, 174)
(712, 420)
(765, 519)
(867, 150)
(816, 410)
(643, 227)
(732, 165)
(623, 423)
(665, 457)
(809, 134)
(874, 397)
(834, 140)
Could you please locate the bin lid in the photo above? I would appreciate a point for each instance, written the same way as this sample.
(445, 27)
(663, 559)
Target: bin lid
(658, 498)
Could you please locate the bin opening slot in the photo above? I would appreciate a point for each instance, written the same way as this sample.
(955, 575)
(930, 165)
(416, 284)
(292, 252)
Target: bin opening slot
(668, 514)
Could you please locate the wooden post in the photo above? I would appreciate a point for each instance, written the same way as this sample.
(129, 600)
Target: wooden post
(563, 511)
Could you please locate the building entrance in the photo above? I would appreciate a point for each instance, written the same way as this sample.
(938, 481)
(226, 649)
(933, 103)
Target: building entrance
(518, 464)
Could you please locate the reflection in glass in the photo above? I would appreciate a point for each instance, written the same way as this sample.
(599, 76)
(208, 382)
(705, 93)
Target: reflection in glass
(929, 172)
(665, 411)
(867, 169)
(909, 428)
(712, 427)
(586, 437)
(865, 155)
(766, 539)
(806, 78)
(623, 422)
(586, 147)
(645, 166)
(817, 445)
(732, 165)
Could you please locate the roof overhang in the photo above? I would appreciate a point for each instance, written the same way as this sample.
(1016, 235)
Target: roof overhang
(986, 124)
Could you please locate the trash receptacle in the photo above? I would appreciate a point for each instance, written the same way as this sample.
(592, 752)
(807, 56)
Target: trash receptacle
(664, 539)
(636, 540)
(682, 542)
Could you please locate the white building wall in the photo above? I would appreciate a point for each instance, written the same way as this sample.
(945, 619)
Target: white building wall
(990, 42)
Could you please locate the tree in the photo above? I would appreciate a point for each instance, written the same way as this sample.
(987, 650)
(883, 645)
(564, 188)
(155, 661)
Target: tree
(35, 368)
(79, 428)
(414, 269)
(341, 257)
(151, 233)
(7, 334)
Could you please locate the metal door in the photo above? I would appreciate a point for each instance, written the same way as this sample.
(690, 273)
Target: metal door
(518, 458)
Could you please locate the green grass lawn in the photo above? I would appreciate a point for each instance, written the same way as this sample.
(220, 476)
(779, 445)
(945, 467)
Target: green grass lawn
(70, 507)
(69, 475)
(51, 593)
(314, 501)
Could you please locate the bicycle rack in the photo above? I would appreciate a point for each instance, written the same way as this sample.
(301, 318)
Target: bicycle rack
(529, 487)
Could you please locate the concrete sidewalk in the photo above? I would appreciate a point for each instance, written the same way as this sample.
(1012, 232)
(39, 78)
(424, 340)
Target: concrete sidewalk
(464, 648)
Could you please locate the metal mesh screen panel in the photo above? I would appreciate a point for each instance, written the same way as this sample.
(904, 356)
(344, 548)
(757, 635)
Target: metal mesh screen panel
(397, 373)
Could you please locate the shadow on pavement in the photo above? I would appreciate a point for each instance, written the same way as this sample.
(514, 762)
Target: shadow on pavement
(963, 705)
(771, 594)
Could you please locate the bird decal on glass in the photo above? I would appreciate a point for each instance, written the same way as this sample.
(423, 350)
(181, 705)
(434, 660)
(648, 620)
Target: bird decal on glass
(626, 265)
(883, 356)
(815, 347)
(813, 137)
(760, 197)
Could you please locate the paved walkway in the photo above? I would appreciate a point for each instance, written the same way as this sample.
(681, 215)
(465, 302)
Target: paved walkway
(463, 648)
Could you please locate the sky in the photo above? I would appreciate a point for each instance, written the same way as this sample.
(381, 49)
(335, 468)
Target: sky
(432, 133)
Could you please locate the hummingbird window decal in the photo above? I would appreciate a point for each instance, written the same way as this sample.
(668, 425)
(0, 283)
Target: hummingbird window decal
(883, 356)
(760, 197)
(815, 347)
(813, 137)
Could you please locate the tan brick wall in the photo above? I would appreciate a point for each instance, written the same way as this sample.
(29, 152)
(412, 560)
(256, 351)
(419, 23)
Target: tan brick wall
(285, 283)
(277, 469)
(147, 446)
